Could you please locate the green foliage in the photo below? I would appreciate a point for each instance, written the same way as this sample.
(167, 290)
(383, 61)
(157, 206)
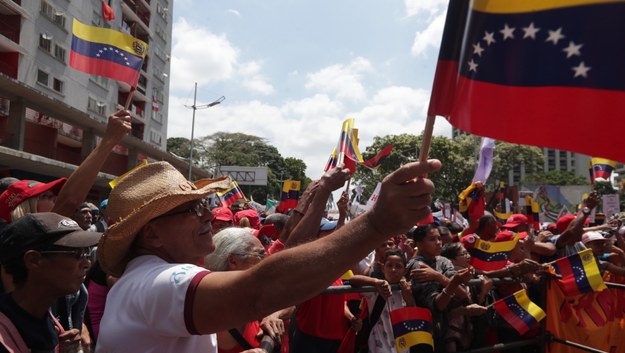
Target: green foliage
(555, 177)
(458, 158)
(238, 149)
(178, 146)
(508, 156)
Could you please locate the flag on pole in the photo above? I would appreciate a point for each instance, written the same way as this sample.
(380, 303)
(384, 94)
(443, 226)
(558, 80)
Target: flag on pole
(332, 161)
(485, 163)
(412, 326)
(105, 52)
(580, 273)
(602, 168)
(519, 311)
(289, 195)
(107, 11)
(231, 195)
(506, 65)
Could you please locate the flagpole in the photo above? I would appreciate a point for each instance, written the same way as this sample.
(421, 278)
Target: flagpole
(129, 98)
(427, 138)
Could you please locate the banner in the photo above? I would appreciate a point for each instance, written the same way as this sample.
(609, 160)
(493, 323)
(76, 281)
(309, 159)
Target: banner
(595, 319)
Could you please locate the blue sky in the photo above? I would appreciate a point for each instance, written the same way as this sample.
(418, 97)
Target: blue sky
(292, 71)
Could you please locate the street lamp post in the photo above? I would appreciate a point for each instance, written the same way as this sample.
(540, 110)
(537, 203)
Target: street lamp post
(196, 107)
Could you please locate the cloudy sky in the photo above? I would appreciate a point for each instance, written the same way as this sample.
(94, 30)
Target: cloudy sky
(292, 70)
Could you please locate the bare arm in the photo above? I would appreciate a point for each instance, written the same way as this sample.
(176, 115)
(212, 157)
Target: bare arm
(574, 232)
(224, 299)
(81, 180)
(308, 228)
(342, 205)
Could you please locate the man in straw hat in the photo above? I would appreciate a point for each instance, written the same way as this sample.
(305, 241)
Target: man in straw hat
(162, 225)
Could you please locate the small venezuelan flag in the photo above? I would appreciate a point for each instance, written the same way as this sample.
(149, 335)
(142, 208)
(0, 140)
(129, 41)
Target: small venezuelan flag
(519, 311)
(412, 326)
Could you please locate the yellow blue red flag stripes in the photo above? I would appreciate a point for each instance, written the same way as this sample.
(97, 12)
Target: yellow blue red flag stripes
(602, 168)
(489, 255)
(412, 326)
(519, 311)
(289, 195)
(580, 273)
(553, 64)
(106, 52)
(332, 161)
(230, 196)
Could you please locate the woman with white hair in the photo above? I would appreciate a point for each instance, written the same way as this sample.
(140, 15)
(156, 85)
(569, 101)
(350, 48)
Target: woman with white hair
(237, 249)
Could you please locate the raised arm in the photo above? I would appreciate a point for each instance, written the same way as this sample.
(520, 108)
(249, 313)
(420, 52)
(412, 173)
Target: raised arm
(574, 231)
(81, 180)
(226, 299)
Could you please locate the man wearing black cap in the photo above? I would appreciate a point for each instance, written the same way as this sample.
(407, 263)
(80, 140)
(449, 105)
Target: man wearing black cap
(48, 257)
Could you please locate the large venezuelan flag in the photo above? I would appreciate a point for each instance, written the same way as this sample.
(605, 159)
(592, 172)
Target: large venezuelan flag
(412, 326)
(555, 65)
(108, 53)
(580, 273)
(519, 311)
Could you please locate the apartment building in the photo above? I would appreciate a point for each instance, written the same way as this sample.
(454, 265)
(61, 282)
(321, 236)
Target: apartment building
(51, 115)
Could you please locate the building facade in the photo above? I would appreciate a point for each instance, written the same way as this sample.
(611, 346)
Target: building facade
(51, 115)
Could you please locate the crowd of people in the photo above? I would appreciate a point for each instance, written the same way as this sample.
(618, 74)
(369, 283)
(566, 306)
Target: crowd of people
(172, 273)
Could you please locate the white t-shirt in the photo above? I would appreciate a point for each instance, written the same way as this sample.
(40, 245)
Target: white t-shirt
(149, 310)
(381, 339)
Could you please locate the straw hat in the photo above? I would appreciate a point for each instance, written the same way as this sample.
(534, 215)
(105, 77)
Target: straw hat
(146, 193)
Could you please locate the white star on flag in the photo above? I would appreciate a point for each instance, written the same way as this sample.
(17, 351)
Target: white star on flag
(555, 36)
(489, 37)
(507, 32)
(472, 66)
(530, 31)
(581, 70)
(477, 49)
(572, 49)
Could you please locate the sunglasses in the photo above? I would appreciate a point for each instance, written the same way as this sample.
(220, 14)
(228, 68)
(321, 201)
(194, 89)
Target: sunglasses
(200, 209)
(78, 253)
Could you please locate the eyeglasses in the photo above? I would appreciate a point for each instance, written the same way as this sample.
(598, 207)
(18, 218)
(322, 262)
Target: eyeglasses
(260, 254)
(78, 254)
(200, 209)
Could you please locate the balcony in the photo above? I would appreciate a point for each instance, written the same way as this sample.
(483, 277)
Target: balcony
(136, 11)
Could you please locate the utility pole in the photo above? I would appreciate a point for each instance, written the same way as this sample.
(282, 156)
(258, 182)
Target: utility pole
(196, 107)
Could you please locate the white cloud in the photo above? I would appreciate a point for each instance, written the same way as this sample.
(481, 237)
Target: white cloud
(234, 12)
(430, 37)
(200, 56)
(343, 81)
(427, 7)
(253, 80)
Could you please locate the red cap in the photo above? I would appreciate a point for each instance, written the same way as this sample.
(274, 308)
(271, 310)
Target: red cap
(21, 190)
(223, 214)
(268, 230)
(251, 215)
(563, 222)
(515, 220)
(507, 235)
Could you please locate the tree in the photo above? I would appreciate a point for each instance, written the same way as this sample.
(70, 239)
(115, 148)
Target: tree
(178, 146)
(555, 177)
(508, 156)
(223, 148)
(457, 156)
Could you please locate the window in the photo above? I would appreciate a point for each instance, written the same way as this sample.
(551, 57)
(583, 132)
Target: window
(45, 42)
(57, 85)
(96, 106)
(162, 11)
(59, 53)
(155, 137)
(53, 14)
(102, 81)
(42, 77)
(157, 116)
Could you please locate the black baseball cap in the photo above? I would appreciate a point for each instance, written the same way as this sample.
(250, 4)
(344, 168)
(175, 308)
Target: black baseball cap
(38, 230)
